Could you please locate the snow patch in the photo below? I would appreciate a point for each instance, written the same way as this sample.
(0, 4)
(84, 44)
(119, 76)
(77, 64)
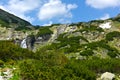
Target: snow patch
(106, 25)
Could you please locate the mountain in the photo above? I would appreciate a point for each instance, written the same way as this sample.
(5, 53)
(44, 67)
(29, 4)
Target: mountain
(79, 40)
(76, 51)
(10, 20)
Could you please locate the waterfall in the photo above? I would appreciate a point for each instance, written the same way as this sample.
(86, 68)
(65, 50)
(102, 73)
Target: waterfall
(23, 44)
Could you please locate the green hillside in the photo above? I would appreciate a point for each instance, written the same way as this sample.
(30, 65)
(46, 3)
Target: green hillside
(10, 20)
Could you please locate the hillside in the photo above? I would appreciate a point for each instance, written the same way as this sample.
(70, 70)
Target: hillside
(76, 51)
(10, 20)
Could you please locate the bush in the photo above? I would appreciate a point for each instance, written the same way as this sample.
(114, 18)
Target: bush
(1, 63)
(111, 35)
(10, 51)
(87, 53)
(44, 31)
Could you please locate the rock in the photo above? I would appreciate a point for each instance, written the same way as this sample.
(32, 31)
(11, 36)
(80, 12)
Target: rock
(30, 40)
(1, 78)
(107, 76)
(7, 74)
(105, 25)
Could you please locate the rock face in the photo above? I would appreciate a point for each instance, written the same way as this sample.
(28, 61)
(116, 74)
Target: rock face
(7, 74)
(105, 25)
(30, 40)
(107, 76)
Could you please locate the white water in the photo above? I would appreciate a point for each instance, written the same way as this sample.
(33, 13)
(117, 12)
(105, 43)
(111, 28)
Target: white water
(105, 25)
(23, 44)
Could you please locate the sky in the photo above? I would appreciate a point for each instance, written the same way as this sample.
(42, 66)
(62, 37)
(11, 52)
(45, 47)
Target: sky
(47, 12)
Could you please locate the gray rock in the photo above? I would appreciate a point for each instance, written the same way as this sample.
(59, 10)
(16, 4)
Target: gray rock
(107, 76)
(1, 78)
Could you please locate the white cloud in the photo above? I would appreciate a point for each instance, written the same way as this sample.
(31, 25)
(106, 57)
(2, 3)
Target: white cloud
(71, 6)
(64, 21)
(48, 24)
(55, 8)
(106, 16)
(101, 4)
(21, 7)
(46, 9)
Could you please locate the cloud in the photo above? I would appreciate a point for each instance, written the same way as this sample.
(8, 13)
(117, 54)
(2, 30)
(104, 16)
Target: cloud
(44, 10)
(21, 7)
(64, 21)
(55, 9)
(106, 16)
(101, 4)
(48, 24)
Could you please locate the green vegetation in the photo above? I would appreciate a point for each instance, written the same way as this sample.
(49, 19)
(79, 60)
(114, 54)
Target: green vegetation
(3, 24)
(6, 19)
(10, 51)
(72, 45)
(110, 36)
(116, 24)
(76, 24)
(68, 44)
(97, 21)
(55, 66)
(112, 52)
(52, 64)
(44, 31)
(72, 56)
(116, 18)
(23, 28)
(55, 24)
(87, 53)
(91, 28)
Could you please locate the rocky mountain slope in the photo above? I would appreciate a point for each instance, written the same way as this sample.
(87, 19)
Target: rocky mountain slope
(93, 38)
(83, 50)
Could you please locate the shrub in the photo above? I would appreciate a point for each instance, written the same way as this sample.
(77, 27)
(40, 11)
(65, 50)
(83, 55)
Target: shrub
(87, 53)
(1, 63)
(44, 31)
(112, 35)
(10, 51)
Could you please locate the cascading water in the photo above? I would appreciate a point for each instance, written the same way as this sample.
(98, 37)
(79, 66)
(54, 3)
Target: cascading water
(23, 44)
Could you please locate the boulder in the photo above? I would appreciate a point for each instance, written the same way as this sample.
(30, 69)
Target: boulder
(1, 78)
(107, 76)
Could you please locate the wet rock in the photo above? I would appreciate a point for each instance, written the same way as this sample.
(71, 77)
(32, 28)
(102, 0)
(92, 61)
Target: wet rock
(30, 40)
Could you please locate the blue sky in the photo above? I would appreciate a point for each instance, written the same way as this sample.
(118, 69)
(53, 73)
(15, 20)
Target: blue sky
(46, 12)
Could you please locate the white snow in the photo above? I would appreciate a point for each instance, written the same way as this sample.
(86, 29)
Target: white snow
(106, 25)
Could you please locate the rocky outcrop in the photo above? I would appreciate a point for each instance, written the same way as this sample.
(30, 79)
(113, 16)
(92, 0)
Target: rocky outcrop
(6, 73)
(30, 40)
(107, 76)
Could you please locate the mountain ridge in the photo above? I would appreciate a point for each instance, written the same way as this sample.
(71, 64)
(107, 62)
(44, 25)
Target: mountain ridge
(10, 20)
